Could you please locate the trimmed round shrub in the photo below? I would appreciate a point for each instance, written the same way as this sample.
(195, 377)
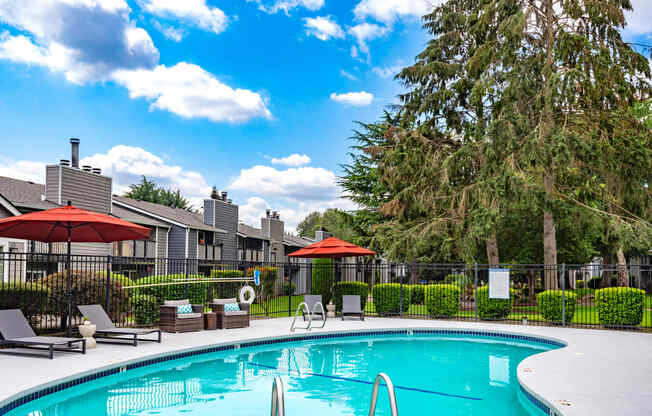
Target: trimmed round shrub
(322, 279)
(620, 305)
(442, 300)
(350, 288)
(493, 309)
(551, 303)
(288, 288)
(418, 294)
(387, 298)
(579, 284)
(594, 283)
(87, 288)
(145, 309)
(27, 296)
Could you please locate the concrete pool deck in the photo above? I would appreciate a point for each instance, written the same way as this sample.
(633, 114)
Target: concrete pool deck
(598, 373)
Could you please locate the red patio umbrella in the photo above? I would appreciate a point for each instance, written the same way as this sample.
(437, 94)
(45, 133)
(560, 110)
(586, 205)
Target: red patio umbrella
(333, 248)
(71, 224)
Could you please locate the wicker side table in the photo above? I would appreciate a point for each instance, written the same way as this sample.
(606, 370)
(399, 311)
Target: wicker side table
(210, 320)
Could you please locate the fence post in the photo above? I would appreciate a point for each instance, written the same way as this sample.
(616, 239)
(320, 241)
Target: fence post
(290, 299)
(186, 278)
(563, 294)
(108, 285)
(475, 289)
(400, 294)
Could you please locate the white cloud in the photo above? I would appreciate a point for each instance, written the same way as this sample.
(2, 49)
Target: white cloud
(638, 20)
(287, 5)
(27, 170)
(389, 10)
(365, 32)
(127, 164)
(304, 183)
(189, 91)
(194, 12)
(357, 99)
(175, 34)
(390, 71)
(348, 75)
(323, 28)
(294, 159)
(354, 52)
(86, 40)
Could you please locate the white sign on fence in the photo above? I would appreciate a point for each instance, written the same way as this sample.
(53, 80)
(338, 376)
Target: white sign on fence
(498, 283)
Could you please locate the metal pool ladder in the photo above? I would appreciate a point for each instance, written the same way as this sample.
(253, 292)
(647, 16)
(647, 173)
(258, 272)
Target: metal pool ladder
(318, 307)
(278, 398)
(390, 390)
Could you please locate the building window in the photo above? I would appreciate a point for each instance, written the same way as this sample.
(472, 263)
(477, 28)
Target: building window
(201, 238)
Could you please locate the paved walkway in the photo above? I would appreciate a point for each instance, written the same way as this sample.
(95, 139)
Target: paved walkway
(599, 373)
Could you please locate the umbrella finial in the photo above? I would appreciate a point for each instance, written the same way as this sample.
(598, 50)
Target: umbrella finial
(69, 204)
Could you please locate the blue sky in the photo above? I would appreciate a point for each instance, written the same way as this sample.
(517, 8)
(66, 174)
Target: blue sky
(197, 93)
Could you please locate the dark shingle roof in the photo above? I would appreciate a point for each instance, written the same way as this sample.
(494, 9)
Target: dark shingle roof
(296, 241)
(251, 232)
(187, 218)
(24, 194)
(135, 217)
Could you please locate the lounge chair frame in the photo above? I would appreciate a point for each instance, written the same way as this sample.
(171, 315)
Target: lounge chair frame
(29, 340)
(348, 310)
(108, 333)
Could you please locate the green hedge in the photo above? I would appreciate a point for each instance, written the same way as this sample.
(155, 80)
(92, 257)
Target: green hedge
(387, 298)
(620, 305)
(219, 274)
(322, 279)
(493, 309)
(28, 297)
(418, 294)
(550, 305)
(442, 300)
(87, 288)
(173, 287)
(350, 288)
(146, 310)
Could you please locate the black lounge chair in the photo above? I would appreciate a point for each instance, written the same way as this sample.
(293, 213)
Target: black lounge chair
(351, 306)
(17, 333)
(107, 330)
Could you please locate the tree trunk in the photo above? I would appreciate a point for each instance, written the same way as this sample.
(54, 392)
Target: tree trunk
(492, 250)
(549, 244)
(622, 268)
(607, 273)
(547, 126)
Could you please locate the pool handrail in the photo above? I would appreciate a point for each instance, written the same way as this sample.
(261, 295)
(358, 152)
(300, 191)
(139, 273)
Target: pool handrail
(278, 398)
(390, 390)
(303, 305)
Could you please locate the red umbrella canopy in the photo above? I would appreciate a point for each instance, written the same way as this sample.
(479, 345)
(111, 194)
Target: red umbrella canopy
(85, 227)
(332, 248)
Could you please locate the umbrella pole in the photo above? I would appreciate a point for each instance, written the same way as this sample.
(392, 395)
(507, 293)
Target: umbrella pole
(69, 284)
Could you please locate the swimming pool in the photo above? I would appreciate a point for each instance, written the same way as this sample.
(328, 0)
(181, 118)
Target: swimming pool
(439, 374)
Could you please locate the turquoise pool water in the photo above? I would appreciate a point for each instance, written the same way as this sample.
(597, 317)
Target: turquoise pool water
(433, 375)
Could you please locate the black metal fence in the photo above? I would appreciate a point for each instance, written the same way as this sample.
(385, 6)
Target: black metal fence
(132, 289)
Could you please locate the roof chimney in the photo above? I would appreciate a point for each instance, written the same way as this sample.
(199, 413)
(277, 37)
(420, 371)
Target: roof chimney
(74, 144)
(224, 196)
(267, 212)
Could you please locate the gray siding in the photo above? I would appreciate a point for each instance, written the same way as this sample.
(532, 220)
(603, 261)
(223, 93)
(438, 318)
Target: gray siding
(226, 218)
(162, 242)
(92, 249)
(85, 190)
(177, 242)
(209, 212)
(52, 183)
(192, 244)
